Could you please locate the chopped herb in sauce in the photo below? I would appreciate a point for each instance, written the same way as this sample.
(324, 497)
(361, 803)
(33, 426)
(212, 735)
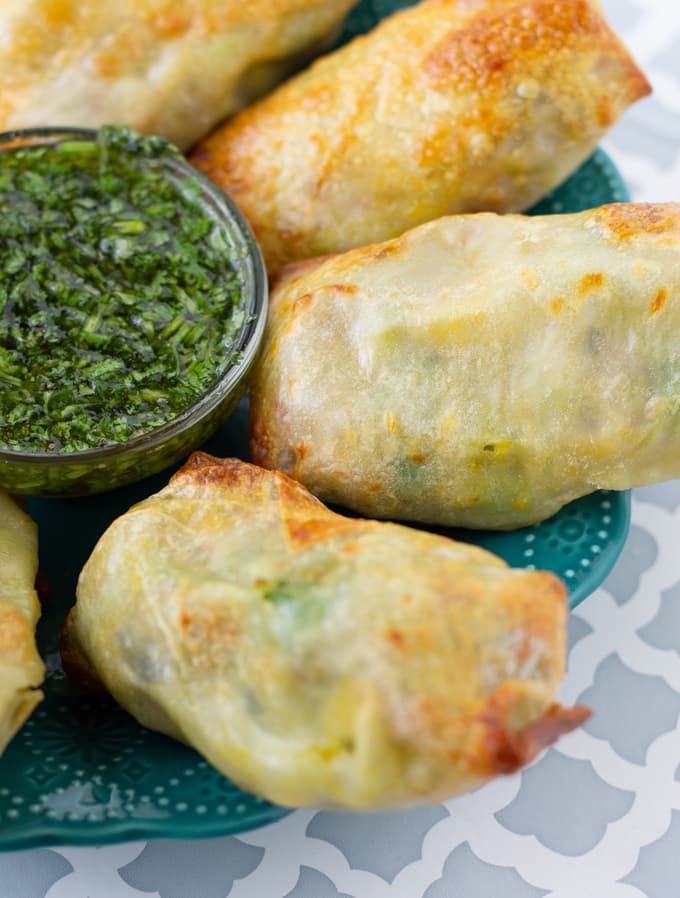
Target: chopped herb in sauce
(119, 297)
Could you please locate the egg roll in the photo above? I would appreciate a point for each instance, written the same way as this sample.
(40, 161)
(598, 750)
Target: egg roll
(481, 370)
(160, 66)
(21, 669)
(447, 107)
(316, 659)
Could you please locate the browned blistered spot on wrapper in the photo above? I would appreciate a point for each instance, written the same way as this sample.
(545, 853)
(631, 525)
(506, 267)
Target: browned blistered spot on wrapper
(16, 637)
(508, 752)
(629, 220)
(170, 22)
(659, 301)
(606, 114)
(209, 634)
(204, 468)
(479, 54)
(590, 282)
(349, 289)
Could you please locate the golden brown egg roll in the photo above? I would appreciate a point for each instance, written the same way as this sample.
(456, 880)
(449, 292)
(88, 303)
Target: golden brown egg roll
(450, 106)
(21, 669)
(315, 659)
(160, 66)
(481, 370)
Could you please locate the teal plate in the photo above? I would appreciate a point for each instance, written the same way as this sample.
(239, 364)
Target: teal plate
(83, 772)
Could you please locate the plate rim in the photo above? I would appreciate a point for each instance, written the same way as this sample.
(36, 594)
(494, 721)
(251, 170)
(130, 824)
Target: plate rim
(87, 833)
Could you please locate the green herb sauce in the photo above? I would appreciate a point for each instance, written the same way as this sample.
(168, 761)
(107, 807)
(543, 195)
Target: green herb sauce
(119, 300)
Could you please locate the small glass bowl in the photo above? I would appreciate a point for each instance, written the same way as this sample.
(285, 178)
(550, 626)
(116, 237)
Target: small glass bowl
(95, 470)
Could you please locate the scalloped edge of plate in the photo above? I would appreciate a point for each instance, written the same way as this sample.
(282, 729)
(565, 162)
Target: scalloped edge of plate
(606, 560)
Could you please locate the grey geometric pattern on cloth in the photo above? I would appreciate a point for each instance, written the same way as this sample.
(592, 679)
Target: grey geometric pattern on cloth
(596, 817)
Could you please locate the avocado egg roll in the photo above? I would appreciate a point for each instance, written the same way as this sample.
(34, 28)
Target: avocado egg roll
(449, 106)
(160, 66)
(481, 370)
(316, 659)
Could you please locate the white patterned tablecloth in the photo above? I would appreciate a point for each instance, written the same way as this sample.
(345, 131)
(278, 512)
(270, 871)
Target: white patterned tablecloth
(597, 817)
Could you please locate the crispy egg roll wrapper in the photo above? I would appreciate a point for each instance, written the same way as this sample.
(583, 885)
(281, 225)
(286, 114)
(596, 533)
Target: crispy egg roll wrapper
(449, 106)
(480, 371)
(315, 659)
(160, 66)
(21, 669)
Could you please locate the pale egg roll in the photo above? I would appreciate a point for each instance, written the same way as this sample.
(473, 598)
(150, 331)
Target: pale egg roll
(315, 659)
(480, 371)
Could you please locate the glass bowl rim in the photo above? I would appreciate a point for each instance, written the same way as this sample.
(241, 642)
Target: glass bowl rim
(248, 341)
